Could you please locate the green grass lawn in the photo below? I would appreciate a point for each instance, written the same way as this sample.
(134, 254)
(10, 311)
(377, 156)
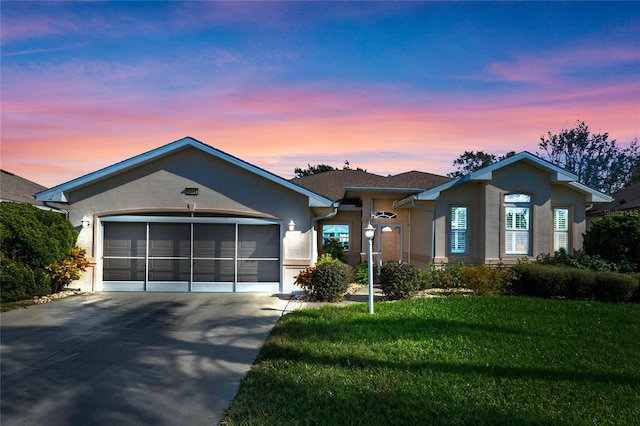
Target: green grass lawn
(454, 360)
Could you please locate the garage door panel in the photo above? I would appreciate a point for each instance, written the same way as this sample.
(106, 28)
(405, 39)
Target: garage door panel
(258, 271)
(214, 240)
(213, 270)
(169, 270)
(124, 270)
(169, 239)
(125, 239)
(258, 241)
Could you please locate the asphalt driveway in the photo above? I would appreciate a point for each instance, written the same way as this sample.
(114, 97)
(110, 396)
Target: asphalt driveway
(130, 358)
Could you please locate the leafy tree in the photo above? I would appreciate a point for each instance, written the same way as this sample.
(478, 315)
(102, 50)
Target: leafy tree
(321, 168)
(615, 238)
(471, 161)
(597, 160)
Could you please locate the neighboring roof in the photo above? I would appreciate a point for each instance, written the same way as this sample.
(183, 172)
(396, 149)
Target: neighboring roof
(558, 175)
(336, 183)
(625, 199)
(20, 190)
(59, 193)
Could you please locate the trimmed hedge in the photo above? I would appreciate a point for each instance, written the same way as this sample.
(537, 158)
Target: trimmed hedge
(400, 280)
(557, 281)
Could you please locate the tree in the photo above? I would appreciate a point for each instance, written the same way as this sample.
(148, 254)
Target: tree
(615, 238)
(597, 160)
(471, 161)
(320, 168)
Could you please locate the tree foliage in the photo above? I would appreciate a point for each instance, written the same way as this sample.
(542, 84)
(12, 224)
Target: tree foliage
(597, 160)
(471, 161)
(35, 245)
(321, 168)
(616, 238)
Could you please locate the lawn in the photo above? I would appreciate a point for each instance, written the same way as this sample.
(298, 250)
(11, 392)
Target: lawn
(454, 360)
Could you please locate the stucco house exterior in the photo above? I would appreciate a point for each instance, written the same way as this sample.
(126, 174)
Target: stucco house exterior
(625, 200)
(188, 217)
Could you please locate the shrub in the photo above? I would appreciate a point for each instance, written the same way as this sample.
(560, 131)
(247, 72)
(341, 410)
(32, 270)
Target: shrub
(33, 236)
(361, 273)
(335, 249)
(556, 281)
(614, 287)
(446, 275)
(399, 280)
(330, 281)
(70, 268)
(15, 279)
(303, 279)
(482, 279)
(615, 238)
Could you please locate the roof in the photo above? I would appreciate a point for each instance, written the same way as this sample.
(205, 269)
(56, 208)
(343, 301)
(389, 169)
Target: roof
(17, 189)
(623, 200)
(59, 192)
(558, 175)
(336, 183)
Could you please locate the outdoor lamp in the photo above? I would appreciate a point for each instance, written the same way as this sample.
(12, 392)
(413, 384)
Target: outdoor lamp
(85, 221)
(387, 229)
(369, 232)
(292, 225)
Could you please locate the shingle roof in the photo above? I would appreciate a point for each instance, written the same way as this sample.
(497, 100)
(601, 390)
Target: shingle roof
(18, 189)
(332, 184)
(625, 199)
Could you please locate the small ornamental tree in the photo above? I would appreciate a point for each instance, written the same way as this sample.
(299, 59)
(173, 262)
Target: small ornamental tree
(616, 238)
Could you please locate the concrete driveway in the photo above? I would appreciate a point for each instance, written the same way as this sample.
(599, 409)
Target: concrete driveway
(130, 358)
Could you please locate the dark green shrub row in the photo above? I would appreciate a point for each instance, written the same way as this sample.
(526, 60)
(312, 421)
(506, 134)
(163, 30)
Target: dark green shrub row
(400, 280)
(585, 261)
(482, 279)
(19, 282)
(558, 281)
(328, 281)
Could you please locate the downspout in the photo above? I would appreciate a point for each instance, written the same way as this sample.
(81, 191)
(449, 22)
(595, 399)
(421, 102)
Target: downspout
(433, 226)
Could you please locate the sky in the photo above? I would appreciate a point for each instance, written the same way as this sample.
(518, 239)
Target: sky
(387, 86)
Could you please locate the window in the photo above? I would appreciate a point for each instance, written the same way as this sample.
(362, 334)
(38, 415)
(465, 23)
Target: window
(458, 230)
(517, 224)
(384, 215)
(338, 232)
(560, 229)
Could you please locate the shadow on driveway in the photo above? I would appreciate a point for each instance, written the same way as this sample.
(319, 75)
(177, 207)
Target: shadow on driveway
(134, 358)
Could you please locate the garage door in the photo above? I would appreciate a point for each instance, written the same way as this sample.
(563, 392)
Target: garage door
(190, 254)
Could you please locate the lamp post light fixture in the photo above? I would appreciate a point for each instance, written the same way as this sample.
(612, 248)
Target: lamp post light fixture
(292, 225)
(369, 232)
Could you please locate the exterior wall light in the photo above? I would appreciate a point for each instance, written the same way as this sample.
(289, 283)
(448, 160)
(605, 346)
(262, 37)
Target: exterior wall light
(387, 229)
(292, 225)
(369, 232)
(85, 221)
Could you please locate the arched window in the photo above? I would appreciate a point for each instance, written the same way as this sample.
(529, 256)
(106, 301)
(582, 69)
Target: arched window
(517, 219)
(384, 215)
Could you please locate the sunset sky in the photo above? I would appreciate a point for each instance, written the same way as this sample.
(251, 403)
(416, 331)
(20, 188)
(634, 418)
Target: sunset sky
(390, 87)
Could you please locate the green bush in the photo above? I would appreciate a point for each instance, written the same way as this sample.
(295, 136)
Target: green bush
(482, 279)
(361, 273)
(557, 281)
(399, 280)
(330, 281)
(446, 275)
(615, 238)
(615, 287)
(335, 249)
(19, 282)
(34, 236)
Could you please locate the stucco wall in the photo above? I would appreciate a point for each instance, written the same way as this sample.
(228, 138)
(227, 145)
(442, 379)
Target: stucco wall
(223, 190)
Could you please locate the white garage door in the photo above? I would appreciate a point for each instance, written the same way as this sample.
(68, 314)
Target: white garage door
(190, 254)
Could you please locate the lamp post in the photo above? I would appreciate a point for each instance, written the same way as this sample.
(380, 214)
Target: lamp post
(369, 232)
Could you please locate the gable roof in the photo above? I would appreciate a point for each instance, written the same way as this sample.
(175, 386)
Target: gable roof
(14, 188)
(625, 199)
(336, 184)
(558, 174)
(59, 192)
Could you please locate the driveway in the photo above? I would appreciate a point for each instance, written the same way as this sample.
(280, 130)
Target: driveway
(130, 358)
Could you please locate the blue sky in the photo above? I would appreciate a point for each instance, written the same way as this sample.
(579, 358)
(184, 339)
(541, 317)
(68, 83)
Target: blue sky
(388, 86)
